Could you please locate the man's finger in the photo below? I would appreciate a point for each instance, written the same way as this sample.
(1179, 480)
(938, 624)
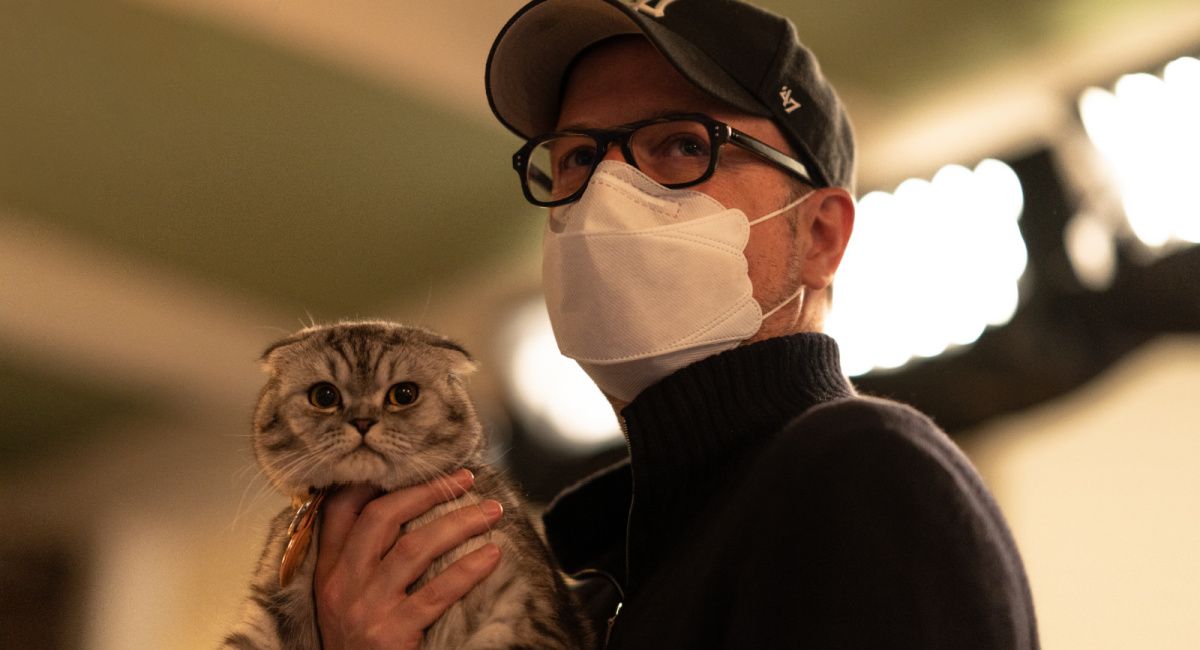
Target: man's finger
(415, 550)
(428, 603)
(338, 514)
(378, 524)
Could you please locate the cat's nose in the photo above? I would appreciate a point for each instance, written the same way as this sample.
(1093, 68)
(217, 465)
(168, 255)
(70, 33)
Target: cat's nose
(363, 424)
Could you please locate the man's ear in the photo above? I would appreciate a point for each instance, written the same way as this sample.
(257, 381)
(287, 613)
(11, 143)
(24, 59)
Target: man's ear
(829, 230)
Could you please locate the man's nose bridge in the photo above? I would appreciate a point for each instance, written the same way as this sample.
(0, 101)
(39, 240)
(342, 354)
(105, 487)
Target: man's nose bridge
(615, 152)
(616, 147)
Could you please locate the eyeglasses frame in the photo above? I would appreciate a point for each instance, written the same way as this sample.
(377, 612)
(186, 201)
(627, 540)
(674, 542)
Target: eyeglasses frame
(719, 133)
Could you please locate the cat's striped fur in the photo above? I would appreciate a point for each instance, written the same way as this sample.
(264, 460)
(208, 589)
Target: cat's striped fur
(522, 604)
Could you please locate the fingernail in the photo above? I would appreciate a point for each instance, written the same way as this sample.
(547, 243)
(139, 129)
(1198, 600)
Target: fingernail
(464, 477)
(491, 508)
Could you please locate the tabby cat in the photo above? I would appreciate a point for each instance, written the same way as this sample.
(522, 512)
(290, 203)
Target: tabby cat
(381, 403)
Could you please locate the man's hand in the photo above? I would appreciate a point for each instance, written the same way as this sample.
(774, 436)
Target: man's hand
(364, 565)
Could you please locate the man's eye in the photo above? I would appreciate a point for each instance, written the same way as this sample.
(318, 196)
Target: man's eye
(576, 158)
(687, 145)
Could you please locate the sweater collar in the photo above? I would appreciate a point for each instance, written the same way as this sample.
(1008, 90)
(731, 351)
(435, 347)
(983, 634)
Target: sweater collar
(679, 427)
(683, 427)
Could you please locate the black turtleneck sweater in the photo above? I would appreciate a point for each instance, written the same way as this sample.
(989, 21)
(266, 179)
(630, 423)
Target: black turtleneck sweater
(765, 505)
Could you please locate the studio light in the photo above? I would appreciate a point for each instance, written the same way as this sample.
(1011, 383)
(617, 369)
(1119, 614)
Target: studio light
(554, 396)
(930, 266)
(1147, 129)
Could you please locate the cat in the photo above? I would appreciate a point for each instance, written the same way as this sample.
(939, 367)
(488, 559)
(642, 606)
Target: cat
(328, 384)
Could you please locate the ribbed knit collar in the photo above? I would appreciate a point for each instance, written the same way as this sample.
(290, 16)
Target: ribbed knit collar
(704, 412)
(680, 433)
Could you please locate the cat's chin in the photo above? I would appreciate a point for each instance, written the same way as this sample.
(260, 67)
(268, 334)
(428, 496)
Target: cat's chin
(366, 466)
(362, 465)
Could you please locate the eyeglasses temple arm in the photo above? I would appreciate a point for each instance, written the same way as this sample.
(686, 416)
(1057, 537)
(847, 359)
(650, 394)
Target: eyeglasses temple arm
(770, 153)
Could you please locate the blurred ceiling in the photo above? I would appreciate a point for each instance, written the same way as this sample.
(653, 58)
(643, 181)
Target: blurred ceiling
(256, 162)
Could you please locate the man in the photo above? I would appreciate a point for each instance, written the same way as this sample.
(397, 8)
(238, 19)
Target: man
(698, 170)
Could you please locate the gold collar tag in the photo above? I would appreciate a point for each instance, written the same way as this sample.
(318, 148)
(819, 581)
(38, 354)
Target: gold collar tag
(300, 533)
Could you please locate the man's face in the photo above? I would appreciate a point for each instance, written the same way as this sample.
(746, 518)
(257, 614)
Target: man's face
(628, 80)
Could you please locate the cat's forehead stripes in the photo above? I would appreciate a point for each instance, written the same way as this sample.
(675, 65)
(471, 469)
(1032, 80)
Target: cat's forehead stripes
(353, 353)
(370, 351)
(331, 366)
(365, 356)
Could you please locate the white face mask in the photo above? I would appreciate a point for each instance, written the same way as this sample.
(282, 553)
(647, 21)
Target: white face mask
(642, 280)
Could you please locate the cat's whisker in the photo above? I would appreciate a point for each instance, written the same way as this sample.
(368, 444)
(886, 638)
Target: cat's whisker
(294, 467)
(275, 329)
(442, 477)
(264, 488)
(498, 456)
(241, 474)
(428, 300)
(243, 507)
(283, 469)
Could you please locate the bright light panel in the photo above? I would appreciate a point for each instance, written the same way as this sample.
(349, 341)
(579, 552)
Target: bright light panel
(1148, 132)
(550, 389)
(929, 267)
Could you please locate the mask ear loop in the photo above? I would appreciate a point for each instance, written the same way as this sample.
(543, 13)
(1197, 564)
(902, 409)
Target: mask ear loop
(799, 290)
(771, 215)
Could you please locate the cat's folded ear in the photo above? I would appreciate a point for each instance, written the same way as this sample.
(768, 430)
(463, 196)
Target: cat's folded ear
(462, 363)
(269, 356)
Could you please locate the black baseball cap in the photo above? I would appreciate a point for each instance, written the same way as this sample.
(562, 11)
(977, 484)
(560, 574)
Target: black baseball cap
(736, 52)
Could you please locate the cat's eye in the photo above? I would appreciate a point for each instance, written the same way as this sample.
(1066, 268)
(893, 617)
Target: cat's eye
(324, 395)
(403, 394)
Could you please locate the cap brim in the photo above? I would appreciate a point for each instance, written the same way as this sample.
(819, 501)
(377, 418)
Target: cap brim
(525, 69)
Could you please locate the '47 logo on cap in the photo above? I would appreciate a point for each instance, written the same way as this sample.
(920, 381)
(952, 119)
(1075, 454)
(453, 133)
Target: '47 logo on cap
(785, 96)
(655, 8)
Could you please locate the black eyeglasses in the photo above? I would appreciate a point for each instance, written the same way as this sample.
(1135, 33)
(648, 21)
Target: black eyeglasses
(675, 150)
